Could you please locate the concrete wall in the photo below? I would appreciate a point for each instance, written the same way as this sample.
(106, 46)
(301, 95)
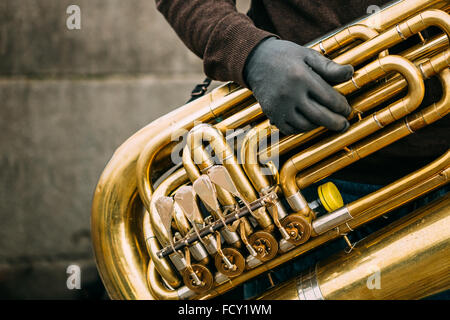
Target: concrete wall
(69, 99)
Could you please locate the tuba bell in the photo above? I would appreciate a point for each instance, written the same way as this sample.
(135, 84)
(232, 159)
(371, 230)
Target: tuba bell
(184, 211)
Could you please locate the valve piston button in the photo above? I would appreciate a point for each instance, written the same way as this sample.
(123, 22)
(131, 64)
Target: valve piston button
(204, 275)
(237, 260)
(265, 245)
(298, 228)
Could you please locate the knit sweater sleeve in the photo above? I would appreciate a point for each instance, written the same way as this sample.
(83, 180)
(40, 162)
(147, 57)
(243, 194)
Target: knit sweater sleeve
(216, 32)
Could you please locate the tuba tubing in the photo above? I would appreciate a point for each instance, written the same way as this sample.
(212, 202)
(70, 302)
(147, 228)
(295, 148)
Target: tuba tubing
(127, 230)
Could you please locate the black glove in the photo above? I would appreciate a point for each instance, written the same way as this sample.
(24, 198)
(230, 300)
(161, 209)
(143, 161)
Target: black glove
(290, 83)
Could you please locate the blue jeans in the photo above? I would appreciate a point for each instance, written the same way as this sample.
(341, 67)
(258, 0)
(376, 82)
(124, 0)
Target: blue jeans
(350, 191)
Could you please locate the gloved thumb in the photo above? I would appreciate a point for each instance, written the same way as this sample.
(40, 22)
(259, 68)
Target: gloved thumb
(329, 70)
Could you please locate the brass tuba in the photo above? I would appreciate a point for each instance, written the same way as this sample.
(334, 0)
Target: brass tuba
(193, 219)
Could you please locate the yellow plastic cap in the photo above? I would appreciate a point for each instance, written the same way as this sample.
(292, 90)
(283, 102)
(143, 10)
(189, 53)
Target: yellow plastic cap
(330, 196)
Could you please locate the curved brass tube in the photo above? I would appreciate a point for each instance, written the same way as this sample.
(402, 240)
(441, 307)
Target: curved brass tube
(396, 35)
(225, 198)
(288, 143)
(394, 12)
(253, 168)
(157, 288)
(235, 120)
(377, 142)
(345, 37)
(162, 265)
(370, 99)
(249, 155)
(190, 171)
(241, 118)
(396, 84)
(160, 291)
(430, 47)
(358, 130)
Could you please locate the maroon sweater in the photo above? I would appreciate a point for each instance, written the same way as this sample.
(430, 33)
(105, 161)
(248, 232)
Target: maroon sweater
(220, 35)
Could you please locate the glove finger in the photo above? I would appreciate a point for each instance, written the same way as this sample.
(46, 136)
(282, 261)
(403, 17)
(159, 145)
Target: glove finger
(328, 96)
(299, 122)
(286, 129)
(322, 116)
(328, 69)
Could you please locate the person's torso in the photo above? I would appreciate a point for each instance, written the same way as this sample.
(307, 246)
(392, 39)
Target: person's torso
(302, 21)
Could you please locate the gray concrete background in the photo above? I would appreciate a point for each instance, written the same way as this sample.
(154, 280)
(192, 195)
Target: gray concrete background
(69, 98)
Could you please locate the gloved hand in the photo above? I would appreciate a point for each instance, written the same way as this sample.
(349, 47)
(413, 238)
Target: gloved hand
(291, 83)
